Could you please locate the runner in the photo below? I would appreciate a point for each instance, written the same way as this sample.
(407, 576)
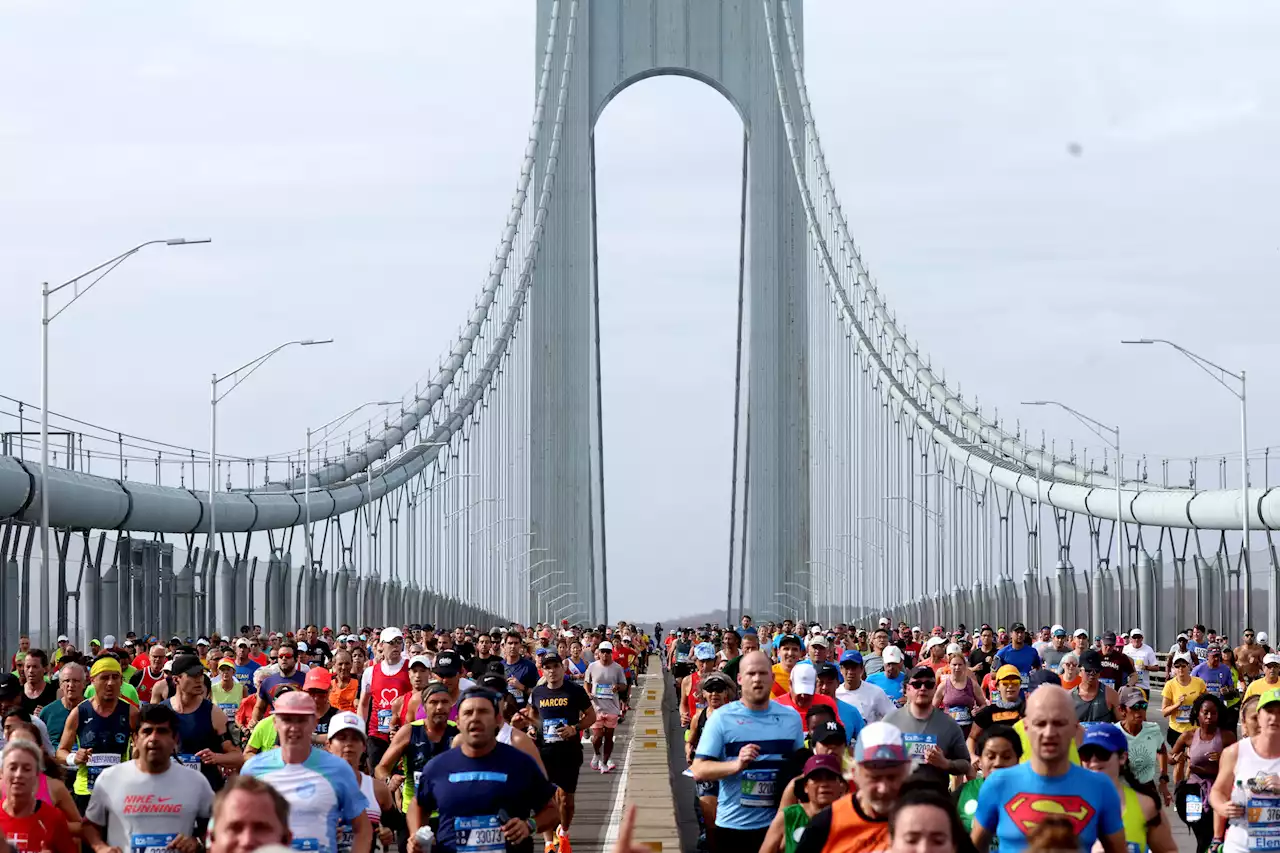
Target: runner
(245, 665)
(37, 692)
(98, 731)
(1179, 694)
(319, 787)
(28, 824)
(202, 731)
(248, 814)
(1105, 750)
(742, 747)
(71, 685)
(287, 660)
(934, 741)
(1096, 701)
(563, 712)
(820, 786)
(704, 655)
(891, 679)
(227, 693)
(347, 740)
(996, 748)
(521, 674)
(380, 685)
(604, 678)
(872, 702)
(417, 743)
(489, 795)
(344, 688)
(149, 803)
(1202, 748)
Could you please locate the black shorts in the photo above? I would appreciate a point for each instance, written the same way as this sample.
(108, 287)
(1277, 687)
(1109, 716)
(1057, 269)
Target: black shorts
(563, 764)
(376, 749)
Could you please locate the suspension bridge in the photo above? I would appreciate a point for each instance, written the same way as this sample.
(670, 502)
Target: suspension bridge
(864, 481)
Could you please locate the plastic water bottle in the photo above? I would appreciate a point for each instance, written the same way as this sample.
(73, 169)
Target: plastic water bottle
(426, 839)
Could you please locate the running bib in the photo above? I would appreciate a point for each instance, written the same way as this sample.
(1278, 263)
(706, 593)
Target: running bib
(1184, 714)
(1214, 688)
(551, 730)
(757, 788)
(96, 764)
(961, 714)
(187, 760)
(1262, 816)
(156, 843)
(417, 779)
(1110, 682)
(308, 844)
(228, 708)
(918, 744)
(681, 657)
(384, 719)
(1195, 808)
(478, 835)
(604, 691)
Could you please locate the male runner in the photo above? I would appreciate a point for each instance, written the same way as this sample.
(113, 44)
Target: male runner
(97, 732)
(604, 678)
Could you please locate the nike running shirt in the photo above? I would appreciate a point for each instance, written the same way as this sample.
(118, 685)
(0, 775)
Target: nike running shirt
(321, 791)
(143, 812)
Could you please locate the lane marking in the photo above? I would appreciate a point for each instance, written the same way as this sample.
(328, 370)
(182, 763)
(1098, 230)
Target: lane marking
(619, 798)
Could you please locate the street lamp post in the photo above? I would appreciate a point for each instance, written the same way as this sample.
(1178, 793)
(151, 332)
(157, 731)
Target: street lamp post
(248, 369)
(1220, 375)
(102, 269)
(1100, 429)
(307, 473)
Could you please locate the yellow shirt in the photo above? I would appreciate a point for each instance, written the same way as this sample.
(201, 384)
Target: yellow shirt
(1257, 688)
(1021, 729)
(1183, 697)
(781, 679)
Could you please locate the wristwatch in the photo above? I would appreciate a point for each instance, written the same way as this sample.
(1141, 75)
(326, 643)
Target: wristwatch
(533, 826)
(1164, 777)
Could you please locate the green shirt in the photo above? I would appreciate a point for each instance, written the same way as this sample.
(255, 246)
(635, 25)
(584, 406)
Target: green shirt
(967, 802)
(55, 719)
(127, 692)
(794, 820)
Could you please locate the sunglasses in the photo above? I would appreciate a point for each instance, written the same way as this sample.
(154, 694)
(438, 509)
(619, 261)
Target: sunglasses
(1089, 753)
(714, 688)
(922, 684)
(1088, 671)
(285, 656)
(1180, 663)
(1138, 706)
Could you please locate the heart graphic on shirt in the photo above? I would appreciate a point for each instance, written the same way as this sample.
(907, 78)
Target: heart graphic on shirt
(388, 695)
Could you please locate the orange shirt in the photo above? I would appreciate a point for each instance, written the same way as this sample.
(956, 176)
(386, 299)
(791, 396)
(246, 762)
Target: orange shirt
(244, 714)
(344, 699)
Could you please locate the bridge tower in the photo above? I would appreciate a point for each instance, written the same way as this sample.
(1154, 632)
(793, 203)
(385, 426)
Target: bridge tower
(723, 43)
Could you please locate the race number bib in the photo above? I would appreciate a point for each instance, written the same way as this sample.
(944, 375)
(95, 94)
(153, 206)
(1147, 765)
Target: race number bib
(1184, 714)
(962, 714)
(310, 845)
(1262, 817)
(478, 835)
(757, 788)
(97, 763)
(228, 708)
(384, 720)
(188, 760)
(1195, 808)
(551, 730)
(604, 691)
(1214, 688)
(918, 744)
(155, 843)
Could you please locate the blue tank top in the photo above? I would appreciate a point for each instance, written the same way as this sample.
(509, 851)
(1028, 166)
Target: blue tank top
(195, 732)
(107, 736)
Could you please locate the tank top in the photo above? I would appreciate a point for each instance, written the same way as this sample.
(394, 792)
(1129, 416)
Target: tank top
(146, 682)
(344, 698)
(851, 830)
(1135, 824)
(228, 699)
(346, 833)
(959, 701)
(108, 737)
(420, 750)
(577, 671)
(794, 820)
(504, 734)
(694, 701)
(195, 732)
(383, 690)
(1249, 766)
(1198, 752)
(1093, 710)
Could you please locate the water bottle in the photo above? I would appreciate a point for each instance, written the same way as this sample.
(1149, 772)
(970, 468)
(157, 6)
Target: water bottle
(426, 839)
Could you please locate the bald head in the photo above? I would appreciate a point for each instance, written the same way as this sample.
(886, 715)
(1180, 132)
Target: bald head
(1051, 700)
(755, 675)
(1051, 726)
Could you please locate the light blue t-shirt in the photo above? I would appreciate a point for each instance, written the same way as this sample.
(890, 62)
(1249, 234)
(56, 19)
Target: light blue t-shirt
(851, 718)
(321, 791)
(892, 687)
(747, 799)
(1013, 801)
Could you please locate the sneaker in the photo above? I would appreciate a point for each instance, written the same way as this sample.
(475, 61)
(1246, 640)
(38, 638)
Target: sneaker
(609, 766)
(550, 847)
(595, 762)
(563, 838)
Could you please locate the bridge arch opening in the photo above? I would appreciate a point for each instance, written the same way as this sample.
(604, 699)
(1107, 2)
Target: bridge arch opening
(668, 194)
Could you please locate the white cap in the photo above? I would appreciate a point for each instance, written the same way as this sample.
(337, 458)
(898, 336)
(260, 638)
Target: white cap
(242, 642)
(933, 641)
(168, 666)
(390, 634)
(891, 654)
(1186, 656)
(819, 640)
(954, 649)
(1183, 636)
(345, 720)
(62, 638)
(109, 641)
(1137, 632)
(1080, 632)
(203, 641)
(1262, 637)
(915, 629)
(816, 629)
(884, 620)
(421, 659)
(1056, 628)
(303, 647)
(605, 646)
(804, 680)
(1271, 658)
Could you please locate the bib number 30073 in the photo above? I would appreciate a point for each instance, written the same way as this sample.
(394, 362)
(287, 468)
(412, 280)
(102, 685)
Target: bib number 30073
(478, 835)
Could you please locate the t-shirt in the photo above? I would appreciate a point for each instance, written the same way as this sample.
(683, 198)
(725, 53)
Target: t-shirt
(1052, 658)
(44, 829)
(1025, 659)
(1200, 651)
(604, 681)
(144, 811)
(264, 735)
(872, 702)
(1216, 679)
(993, 713)
(526, 673)
(746, 799)
(245, 671)
(54, 716)
(980, 661)
(918, 735)
(270, 685)
(1256, 688)
(469, 793)
(967, 802)
(1013, 801)
(559, 707)
(1142, 657)
(789, 702)
(872, 663)
(1116, 669)
(321, 791)
(478, 666)
(1184, 696)
(892, 687)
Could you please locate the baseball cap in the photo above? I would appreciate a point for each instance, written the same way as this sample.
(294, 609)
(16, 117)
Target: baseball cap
(819, 640)
(804, 680)
(1018, 626)
(826, 669)
(1109, 637)
(62, 638)
(882, 743)
(10, 687)
(303, 647)
(789, 640)
(296, 702)
(546, 660)
(1183, 636)
(1136, 632)
(1091, 660)
(1271, 658)
(318, 678)
(716, 679)
(816, 630)
(923, 671)
(884, 620)
(891, 654)
(1008, 671)
(1262, 637)
(342, 722)
(187, 665)
(1182, 656)
(203, 641)
(1271, 697)
(448, 664)
(1106, 737)
(853, 657)
(242, 642)
(823, 763)
(704, 651)
(605, 646)
(933, 641)
(420, 659)
(1041, 677)
(1059, 631)
(1130, 696)
(390, 634)
(1080, 632)
(1214, 647)
(228, 662)
(954, 649)
(828, 731)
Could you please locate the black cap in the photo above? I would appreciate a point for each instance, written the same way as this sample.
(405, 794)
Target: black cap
(10, 687)
(550, 658)
(923, 671)
(494, 681)
(448, 664)
(1018, 626)
(789, 639)
(826, 669)
(1041, 677)
(427, 626)
(187, 665)
(827, 732)
(1091, 661)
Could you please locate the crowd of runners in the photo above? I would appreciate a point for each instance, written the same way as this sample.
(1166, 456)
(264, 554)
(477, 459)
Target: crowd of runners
(858, 739)
(400, 737)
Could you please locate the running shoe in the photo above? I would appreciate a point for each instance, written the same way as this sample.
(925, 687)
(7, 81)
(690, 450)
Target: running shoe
(609, 766)
(562, 838)
(549, 847)
(595, 762)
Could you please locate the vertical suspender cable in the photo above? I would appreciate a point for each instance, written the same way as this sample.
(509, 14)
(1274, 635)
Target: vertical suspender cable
(595, 302)
(737, 395)
(746, 503)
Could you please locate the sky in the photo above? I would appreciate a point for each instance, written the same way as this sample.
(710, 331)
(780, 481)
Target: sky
(1028, 183)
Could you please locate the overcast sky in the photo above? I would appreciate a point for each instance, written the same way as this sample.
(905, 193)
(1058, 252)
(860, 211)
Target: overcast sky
(354, 169)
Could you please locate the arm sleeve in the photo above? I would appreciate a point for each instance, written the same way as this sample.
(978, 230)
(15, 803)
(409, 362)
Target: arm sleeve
(814, 839)
(711, 744)
(990, 798)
